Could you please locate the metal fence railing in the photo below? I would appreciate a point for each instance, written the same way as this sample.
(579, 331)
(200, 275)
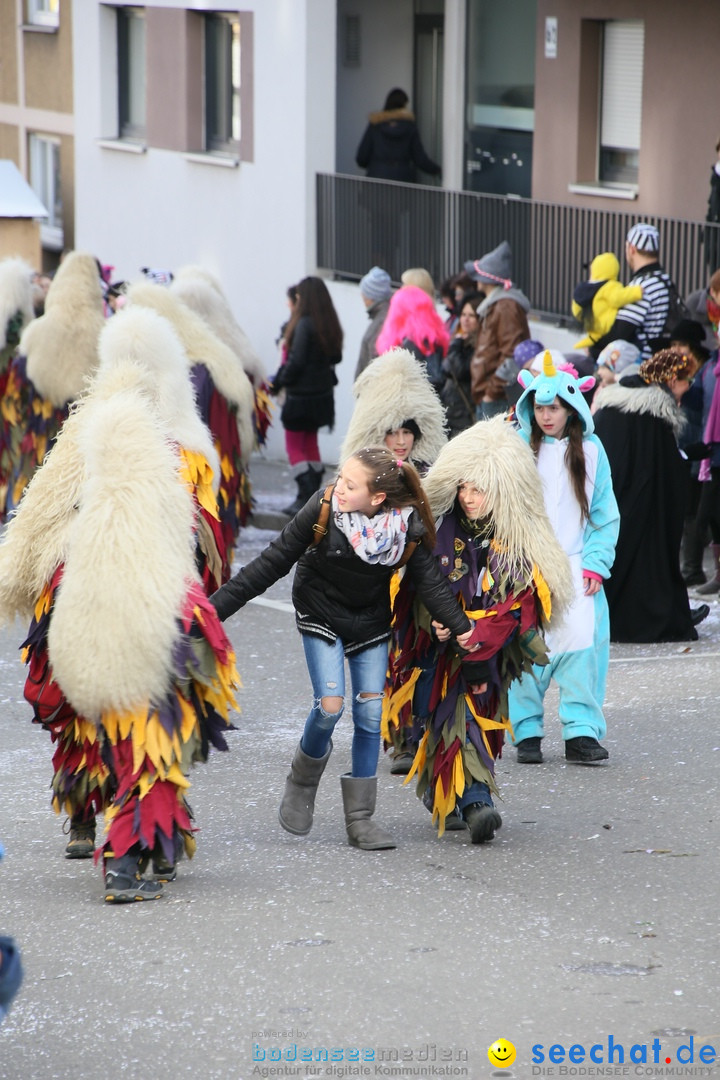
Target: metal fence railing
(363, 223)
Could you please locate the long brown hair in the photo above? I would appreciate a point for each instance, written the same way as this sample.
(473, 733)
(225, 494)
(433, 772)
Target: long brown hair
(574, 454)
(400, 482)
(314, 300)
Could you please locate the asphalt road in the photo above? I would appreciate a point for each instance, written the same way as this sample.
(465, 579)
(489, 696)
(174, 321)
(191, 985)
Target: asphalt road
(590, 921)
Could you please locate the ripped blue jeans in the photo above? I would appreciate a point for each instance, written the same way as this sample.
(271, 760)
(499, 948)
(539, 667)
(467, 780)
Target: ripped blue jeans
(326, 667)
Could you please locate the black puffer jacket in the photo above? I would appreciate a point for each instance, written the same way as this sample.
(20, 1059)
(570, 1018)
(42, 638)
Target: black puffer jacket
(308, 378)
(335, 593)
(391, 147)
(455, 393)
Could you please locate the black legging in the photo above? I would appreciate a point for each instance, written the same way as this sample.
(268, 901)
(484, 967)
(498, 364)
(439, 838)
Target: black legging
(709, 508)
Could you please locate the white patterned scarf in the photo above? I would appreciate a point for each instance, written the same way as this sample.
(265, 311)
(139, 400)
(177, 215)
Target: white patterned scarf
(380, 539)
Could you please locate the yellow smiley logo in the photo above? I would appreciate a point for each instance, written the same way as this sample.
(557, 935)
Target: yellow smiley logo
(502, 1053)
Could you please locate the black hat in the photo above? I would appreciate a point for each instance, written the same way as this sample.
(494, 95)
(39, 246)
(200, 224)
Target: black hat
(689, 332)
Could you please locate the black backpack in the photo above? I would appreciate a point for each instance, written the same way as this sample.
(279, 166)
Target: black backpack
(677, 308)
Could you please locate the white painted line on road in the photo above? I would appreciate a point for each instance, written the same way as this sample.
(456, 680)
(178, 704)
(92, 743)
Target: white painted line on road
(281, 605)
(276, 605)
(690, 654)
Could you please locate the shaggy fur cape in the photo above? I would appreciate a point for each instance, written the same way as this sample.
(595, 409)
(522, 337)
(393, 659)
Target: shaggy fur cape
(493, 457)
(202, 346)
(203, 293)
(392, 389)
(62, 345)
(653, 400)
(109, 503)
(15, 294)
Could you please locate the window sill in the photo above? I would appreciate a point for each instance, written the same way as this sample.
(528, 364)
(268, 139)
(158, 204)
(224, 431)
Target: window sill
(605, 191)
(123, 145)
(223, 161)
(38, 28)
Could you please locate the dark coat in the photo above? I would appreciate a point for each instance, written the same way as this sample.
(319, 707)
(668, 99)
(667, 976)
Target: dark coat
(455, 393)
(308, 378)
(333, 589)
(391, 148)
(638, 427)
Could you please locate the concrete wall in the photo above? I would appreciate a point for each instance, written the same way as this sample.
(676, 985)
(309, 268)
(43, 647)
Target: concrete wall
(680, 119)
(20, 237)
(49, 67)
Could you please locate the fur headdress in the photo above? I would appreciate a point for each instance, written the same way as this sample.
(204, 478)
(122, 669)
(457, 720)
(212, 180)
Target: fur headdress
(202, 292)
(493, 457)
(139, 348)
(61, 345)
(548, 385)
(392, 389)
(15, 294)
(202, 346)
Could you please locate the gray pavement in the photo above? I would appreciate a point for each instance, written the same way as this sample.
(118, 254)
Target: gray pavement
(592, 915)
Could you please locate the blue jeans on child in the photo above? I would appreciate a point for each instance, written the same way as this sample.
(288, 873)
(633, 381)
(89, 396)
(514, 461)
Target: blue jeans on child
(326, 667)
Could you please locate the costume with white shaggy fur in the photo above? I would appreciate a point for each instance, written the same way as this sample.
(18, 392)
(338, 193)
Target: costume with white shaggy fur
(202, 292)
(129, 666)
(509, 574)
(391, 390)
(56, 356)
(225, 400)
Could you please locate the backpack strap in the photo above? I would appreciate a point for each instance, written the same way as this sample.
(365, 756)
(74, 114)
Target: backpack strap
(320, 526)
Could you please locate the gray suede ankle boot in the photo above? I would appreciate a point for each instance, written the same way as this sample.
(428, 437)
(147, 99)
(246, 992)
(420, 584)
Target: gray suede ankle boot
(359, 794)
(298, 802)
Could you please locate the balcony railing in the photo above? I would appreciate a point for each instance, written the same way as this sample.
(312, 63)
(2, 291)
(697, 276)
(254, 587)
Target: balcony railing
(363, 223)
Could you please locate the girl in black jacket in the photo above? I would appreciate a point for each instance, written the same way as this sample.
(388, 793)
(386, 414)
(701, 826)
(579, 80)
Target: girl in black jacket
(378, 520)
(312, 344)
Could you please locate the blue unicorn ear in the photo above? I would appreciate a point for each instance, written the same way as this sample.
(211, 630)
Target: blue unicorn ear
(587, 384)
(525, 377)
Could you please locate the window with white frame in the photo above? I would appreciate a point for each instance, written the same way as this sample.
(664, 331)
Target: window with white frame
(44, 156)
(131, 45)
(222, 82)
(43, 12)
(621, 101)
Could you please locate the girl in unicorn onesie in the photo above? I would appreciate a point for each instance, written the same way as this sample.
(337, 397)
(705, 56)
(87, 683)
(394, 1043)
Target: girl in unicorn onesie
(556, 421)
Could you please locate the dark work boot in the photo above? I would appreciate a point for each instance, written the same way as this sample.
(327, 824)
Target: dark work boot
(81, 843)
(483, 821)
(124, 881)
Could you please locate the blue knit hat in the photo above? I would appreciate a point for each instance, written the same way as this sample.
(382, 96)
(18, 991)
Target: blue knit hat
(376, 285)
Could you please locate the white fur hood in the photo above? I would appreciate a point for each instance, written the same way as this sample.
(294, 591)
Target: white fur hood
(394, 388)
(648, 400)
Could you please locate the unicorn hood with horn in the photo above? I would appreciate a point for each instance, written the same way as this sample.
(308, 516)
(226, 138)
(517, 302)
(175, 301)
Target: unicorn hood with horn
(561, 382)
